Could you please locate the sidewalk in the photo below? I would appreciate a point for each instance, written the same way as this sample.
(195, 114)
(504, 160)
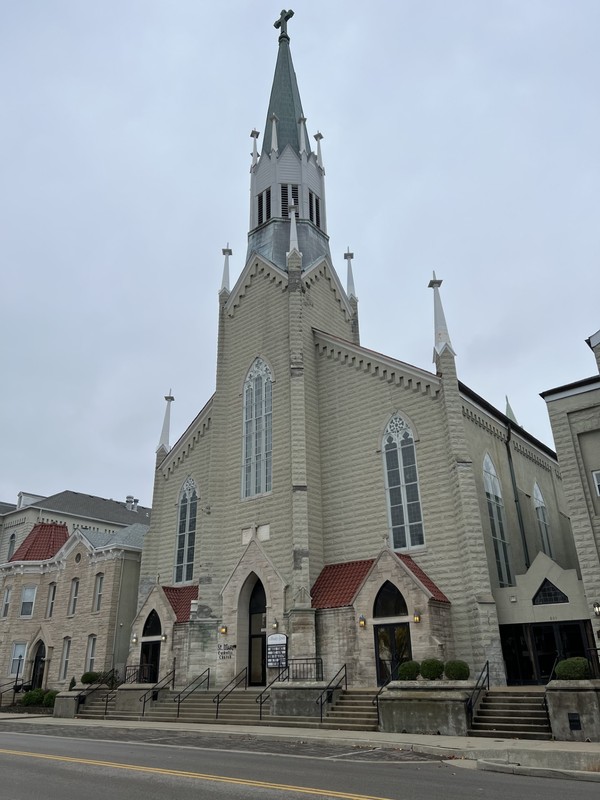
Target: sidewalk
(575, 760)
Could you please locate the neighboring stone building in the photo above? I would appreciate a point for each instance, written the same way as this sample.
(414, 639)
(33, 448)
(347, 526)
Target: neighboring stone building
(67, 603)
(356, 507)
(74, 509)
(574, 411)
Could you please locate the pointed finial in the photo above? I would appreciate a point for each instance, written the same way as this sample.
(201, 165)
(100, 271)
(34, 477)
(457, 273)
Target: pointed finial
(350, 290)
(164, 436)
(255, 134)
(274, 121)
(225, 282)
(302, 124)
(318, 137)
(442, 337)
(509, 412)
(282, 23)
(293, 229)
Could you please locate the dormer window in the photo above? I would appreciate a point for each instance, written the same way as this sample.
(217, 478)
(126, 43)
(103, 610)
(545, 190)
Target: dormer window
(264, 206)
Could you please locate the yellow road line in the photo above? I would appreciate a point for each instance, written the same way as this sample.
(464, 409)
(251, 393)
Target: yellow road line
(198, 775)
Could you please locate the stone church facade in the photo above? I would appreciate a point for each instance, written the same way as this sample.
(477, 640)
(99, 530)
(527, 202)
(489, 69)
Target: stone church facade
(361, 509)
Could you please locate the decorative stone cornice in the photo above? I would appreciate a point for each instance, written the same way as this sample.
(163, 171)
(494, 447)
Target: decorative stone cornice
(188, 440)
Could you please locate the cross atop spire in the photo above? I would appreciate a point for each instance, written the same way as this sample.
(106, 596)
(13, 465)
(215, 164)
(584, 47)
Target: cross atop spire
(282, 23)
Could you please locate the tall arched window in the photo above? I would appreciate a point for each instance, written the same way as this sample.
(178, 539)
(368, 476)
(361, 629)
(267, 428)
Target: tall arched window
(495, 505)
(402, 486)
(186, 532)
(542, 518)
(11, 546)
(256, 469)
(389, 602)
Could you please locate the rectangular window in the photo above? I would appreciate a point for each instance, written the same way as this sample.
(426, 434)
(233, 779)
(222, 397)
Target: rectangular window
(27, 600)
(64, 659)
(268, 204)
(17, 661)
(97, 602)
(90, 656)
(73, 596)
(596, 478)
(51, 599)
(6, 601)
(261, 218)
(285, 203)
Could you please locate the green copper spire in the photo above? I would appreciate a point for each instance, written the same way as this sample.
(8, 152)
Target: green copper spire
(285, 101)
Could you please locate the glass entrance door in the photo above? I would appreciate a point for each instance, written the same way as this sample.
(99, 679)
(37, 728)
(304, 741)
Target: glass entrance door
(392, 647)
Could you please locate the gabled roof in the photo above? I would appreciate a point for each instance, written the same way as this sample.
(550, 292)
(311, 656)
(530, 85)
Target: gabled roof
(43, 541)
(6, 508)
(338, 584)
(132, 537)
(180, 598)
(91, 507)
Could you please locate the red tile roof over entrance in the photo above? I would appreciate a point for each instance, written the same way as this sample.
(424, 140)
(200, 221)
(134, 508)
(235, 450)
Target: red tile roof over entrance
(180, 598)
(337, 584)
(42, 542)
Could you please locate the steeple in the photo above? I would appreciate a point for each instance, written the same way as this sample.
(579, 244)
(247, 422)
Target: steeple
(442, 337)
(287, 172)
(163, 445)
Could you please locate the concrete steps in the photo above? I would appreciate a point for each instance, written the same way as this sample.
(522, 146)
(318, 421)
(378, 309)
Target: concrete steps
(512, 715)
(353, 711)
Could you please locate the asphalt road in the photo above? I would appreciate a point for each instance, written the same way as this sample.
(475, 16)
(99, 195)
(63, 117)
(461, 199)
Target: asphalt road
(121, 764)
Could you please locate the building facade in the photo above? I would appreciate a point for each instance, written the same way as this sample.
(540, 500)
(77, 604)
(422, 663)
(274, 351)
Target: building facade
(336, 505)
(68, 601)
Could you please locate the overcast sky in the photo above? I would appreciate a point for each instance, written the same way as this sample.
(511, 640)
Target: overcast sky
(461, 136)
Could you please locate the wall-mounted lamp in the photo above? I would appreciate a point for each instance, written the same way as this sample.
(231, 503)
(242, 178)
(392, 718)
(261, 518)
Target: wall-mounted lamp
(134, 639)
(275, 624)
(362, 622)
(223, 629)
(417, 616)
(163, 638)
(597, 609)
(512, 598)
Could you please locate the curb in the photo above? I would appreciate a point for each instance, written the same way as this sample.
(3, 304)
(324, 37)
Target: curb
(537, 772)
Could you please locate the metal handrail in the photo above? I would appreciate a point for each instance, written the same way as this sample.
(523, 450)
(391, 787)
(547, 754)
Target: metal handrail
(204, 677)
(11, 686)
(282, 675)
(482, 681)
(168, 679)
(556, 660)
(129, 678)
(103, 680)
(375, 700)
(341, 676)
(306, 669)
(241, 677)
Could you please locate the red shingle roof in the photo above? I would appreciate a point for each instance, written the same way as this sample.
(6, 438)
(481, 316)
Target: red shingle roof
(423, 578)
(337, 584)
(180, 598)
(42, 542)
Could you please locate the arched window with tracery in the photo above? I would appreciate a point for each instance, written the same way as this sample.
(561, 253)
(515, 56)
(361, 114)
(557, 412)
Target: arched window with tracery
(186, 531)
(495, 504)
(402, 485)
(257, 444)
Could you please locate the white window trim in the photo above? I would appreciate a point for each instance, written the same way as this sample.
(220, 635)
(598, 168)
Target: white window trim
(257, 462)
(73, 597)
(90, 653)
(497, 519)
(98, 589)
(32, 590)
(541, 514)
(395, 428)
(596, 479)
(184, 571)
(14, 657)
(51, 599)
(6, 601)
(64, 658)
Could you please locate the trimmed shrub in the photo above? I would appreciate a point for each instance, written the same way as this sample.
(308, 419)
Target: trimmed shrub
(33, 698)
(432, 669)
(456, 670)
(573, 669)
(49, 698)
(90, 677)
(408, 671)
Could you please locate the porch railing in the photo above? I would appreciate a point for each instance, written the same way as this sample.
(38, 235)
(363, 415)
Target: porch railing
(193, 686)
(140, 673)
(339, 679)
(153, 692)
(305, 669)
(391, 677)
(241, 677)
(482, 682)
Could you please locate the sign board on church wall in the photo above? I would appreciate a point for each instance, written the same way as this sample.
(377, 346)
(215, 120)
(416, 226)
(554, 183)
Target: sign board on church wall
(277, 650)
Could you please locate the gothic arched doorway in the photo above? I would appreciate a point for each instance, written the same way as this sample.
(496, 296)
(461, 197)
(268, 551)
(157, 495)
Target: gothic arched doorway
(39, 662)
(392, 638)
(257, 635)
(150, 650)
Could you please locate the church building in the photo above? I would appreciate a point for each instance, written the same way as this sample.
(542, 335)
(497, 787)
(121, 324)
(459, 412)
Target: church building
(330, 505)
